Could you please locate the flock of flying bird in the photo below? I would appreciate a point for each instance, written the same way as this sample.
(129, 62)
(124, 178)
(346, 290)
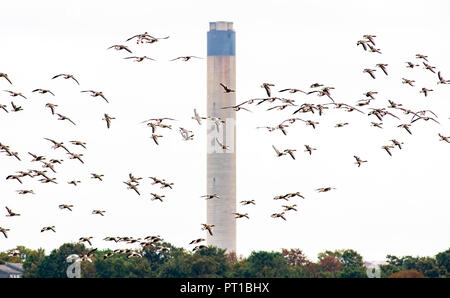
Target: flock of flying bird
(157, 124)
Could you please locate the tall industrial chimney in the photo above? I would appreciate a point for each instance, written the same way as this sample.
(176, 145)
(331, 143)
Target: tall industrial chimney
(221, 163)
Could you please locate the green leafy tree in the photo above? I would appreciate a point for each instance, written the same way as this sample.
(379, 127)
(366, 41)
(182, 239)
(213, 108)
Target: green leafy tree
(207, 262)
(264, 264)
(55, 265)
(330, 264)
(443, 261)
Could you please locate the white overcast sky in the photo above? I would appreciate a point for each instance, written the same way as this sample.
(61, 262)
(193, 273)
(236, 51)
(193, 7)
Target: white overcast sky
(391, 205)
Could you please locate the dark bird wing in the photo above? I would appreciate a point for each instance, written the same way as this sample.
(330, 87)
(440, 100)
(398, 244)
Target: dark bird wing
(75, 80)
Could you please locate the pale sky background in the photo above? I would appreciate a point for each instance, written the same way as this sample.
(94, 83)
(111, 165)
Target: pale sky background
(391, 205)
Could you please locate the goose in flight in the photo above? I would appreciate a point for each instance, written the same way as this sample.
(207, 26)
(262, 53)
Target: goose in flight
(278, 215)
(186, 134)
(43, 91)
(311, 123)
(281, 197)
(165, 184)
(248, 202)
(279, 154)
(196, 241)
(198, 118)
(406, 127)
(218, 122)
(3, 107)
(155, 138)
(224, 147)
(3, 231)
(325, 189)
(425, 91)
(380, 113)
(424, 118)
(294, 194)
(226, 88)
(324, 91)
(442, 80)
(370, 38)
(209, 228)
(267, 86)
(387, 148)
(377, 124)
(150, 39)
(51, 106)
(393, 105)
(280, 107)
(99, 212)
(134, 179)
(15, 94)
(397, 143)
(289, 207)
(115, 239)
(79, 143)
(211, 196)
(241, 215)
(11, 213)
(36, 157)
(119, 47)
(108, 120)
(292, 90)
(383, 67)
(444, 138)
(76, 156)
(16, 177)
(49, 165)
(429, 67)
(316, 85)
(341, 124)
(85, 239)
(157, 197)
(290, 152)
(420, 56)
(12, 153)
(5, 76)
(156, 180)
(185, 58)
(359, 161)
(132, 186)
(411, 65)
(25, 191)
(95, 94)
(62, 117)
(64, 206)
(373, 49)
(363, 43)
(237, 108)
(309, 149)
(45, 229)
(74, 182)
(139, 59)
(66, 76)
(158, 121)
(409, 82)
(370, 72)
(48, 180)
(199, 247)
(97, 176)
(16, 108)
(88, 256)
(144, 35)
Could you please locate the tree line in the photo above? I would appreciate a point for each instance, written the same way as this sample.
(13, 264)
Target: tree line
(213, 262)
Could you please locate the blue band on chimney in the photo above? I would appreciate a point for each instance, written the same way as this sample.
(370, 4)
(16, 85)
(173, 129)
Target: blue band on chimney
(221, 43)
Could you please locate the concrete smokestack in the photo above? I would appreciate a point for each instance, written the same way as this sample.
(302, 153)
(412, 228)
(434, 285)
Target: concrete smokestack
(221, 163)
